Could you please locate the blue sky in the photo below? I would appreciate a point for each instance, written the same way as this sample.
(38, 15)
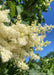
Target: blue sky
(49, 19)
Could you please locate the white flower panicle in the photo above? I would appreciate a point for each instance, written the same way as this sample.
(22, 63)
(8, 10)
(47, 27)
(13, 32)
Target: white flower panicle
(6, 55)
(4, 16)
(23, 65)
(47, 2)
(0, 6)
(16, 41)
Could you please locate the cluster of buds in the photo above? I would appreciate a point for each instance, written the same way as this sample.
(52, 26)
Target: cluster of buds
(47, 2)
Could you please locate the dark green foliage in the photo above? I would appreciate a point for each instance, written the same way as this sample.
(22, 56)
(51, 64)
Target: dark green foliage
(44, 65)
(9, 68)
(1, 1)
(30, 10)
(51, 54)
(11, 6)
(47, 65)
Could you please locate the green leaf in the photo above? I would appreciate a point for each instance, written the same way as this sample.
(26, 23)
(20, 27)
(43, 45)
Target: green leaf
(18, 0)
(3, 7)
(50, 7)
(19, 9)
(7, 24)
(11, 6)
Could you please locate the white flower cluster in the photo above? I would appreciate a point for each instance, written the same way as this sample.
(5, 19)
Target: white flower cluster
(47, 2)
(16, 41)
(3, 16)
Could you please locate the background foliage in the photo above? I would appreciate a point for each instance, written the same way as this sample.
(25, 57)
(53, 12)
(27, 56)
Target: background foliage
(44, 65)
(30, 10)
